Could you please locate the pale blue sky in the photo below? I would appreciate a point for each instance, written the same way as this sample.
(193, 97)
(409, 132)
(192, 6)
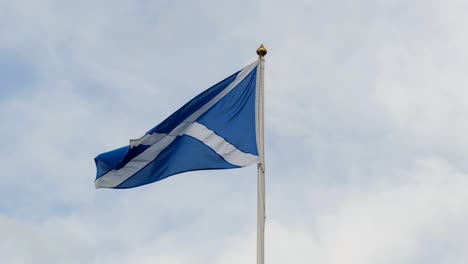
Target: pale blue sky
(366, 132)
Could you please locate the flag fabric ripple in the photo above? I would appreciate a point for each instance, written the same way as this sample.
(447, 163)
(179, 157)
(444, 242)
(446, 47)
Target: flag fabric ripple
(215, 130)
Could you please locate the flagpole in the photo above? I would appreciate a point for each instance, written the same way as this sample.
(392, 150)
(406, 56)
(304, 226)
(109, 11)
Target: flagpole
(261, 51)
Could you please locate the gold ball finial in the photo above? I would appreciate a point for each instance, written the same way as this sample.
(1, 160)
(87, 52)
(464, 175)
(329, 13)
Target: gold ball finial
(261, 51)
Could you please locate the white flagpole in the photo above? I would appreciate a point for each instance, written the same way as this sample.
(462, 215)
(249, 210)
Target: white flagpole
(261, 51)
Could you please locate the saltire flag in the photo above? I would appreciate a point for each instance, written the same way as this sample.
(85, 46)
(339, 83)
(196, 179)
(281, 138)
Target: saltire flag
(215, 130)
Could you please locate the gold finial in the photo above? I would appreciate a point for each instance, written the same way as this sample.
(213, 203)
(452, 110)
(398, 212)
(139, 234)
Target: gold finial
(261, 51)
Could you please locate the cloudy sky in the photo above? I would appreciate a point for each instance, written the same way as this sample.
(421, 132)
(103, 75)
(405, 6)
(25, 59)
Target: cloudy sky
(366, 130)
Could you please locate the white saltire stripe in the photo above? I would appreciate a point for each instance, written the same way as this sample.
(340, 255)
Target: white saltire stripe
(147, 139)
(223, 148)
(159, 141)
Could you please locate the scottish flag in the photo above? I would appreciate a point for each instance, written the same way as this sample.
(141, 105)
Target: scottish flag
(215, 130)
